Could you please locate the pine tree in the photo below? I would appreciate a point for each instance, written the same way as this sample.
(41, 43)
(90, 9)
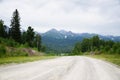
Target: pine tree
(96, 42)
(23, 37)
(30, 36)
(15, 32)
(2, 30)
(77, 49)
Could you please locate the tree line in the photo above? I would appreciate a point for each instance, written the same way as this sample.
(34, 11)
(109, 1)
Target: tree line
(95, 45)
(14, 32)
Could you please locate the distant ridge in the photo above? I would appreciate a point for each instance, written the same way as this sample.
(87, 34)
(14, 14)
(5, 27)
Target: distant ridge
(63, 41)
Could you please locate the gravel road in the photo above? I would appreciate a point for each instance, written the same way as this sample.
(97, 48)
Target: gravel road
(63, 68)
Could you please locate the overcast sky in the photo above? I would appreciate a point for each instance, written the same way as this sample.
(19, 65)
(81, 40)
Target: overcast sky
(92, 16)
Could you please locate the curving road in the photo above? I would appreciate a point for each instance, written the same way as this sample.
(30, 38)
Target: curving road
(64, 68)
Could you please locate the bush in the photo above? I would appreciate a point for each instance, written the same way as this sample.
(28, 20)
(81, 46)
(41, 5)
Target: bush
(118, 51)
(11, 43)
(2, 51)
(8, 42)
(20, 52)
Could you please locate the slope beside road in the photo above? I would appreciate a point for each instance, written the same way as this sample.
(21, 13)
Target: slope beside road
(64, 68)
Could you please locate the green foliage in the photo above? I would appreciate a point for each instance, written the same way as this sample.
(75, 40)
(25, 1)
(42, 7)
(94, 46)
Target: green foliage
(31, 39)
(43, 48)
(85, 45)
(8, 47)
(12, 39)
(2, 51)
(37, 42)
(30, 36)
(17, 52)
(15, 32)
(12, 43)
(97, 46)
(3, 33)
(9, 42)
(22, 59)
(95, 42)
(24, 45)
(118, 50)
(51, 54)
(24, 37)
(108, 57)
(1, 29)
(77, 49)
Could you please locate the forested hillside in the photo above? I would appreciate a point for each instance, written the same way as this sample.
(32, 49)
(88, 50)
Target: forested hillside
(95, 45)
(13, 38)
(63, 41)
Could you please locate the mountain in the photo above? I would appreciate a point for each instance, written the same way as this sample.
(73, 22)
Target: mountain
(63, 41)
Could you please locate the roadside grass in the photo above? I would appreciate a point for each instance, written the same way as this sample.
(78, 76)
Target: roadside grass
(115, 59)
(23, 59)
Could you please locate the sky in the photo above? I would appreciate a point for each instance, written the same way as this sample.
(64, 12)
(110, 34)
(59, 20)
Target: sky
(79, 16)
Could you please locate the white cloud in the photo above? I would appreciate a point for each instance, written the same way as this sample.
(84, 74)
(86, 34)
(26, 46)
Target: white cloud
(94, 16)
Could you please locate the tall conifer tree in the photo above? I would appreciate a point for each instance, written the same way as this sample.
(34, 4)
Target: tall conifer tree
(2, 30)
(15, 27)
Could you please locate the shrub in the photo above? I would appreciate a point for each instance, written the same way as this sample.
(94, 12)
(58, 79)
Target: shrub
(2, 51)
(11, 43)
(118, 51)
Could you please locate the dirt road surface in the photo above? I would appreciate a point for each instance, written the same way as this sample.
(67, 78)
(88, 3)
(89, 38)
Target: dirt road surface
(63, 68)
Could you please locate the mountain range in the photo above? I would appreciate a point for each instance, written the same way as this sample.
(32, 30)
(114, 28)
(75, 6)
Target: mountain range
(63, 41)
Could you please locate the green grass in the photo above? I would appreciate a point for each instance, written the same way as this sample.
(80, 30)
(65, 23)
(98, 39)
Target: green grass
(115, 59)
(8, 60)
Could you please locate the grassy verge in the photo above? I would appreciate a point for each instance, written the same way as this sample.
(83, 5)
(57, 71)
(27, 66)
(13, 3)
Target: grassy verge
(23, 59)
(115, 59)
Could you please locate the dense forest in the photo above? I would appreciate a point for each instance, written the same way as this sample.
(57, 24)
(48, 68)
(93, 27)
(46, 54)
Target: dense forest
(95, 45)
(13, 36)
